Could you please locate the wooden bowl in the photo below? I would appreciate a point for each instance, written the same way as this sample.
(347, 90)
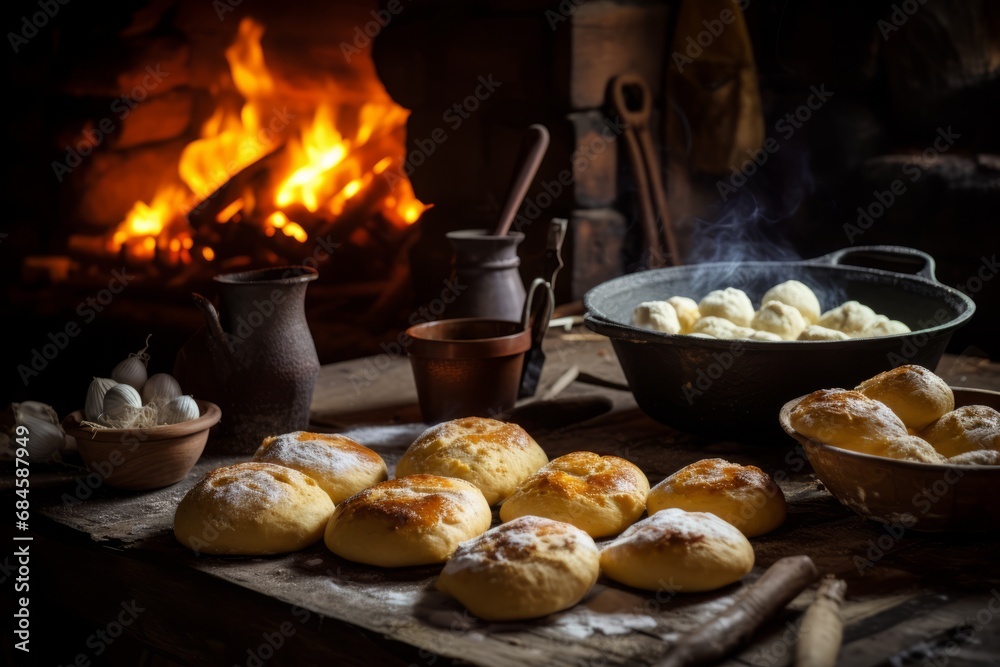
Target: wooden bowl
(143, 458)
(932, 497)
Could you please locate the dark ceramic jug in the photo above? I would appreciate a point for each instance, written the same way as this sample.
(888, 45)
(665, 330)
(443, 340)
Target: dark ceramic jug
(255, 357)
(486, 269)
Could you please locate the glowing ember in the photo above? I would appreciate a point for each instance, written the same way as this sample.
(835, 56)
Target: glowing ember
(316, 167)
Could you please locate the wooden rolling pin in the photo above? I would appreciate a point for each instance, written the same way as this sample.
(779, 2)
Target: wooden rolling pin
(734, 626)
(822, 627)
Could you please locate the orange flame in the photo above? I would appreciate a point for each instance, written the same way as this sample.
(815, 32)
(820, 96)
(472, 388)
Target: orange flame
(320, 172)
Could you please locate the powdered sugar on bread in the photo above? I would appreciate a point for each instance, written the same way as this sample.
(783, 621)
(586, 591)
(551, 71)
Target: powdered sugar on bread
(675, 526)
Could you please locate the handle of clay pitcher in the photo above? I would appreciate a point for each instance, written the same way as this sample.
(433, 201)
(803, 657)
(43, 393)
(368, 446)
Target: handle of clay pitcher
(212, 321)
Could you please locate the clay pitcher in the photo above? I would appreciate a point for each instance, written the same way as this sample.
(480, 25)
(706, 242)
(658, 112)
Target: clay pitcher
(486, 269)
(255, 357)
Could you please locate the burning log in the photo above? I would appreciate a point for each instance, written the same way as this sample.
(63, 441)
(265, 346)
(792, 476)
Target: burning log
(253, 177)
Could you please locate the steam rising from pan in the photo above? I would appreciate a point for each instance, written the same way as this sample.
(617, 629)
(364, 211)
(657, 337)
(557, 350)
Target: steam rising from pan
(745, 232)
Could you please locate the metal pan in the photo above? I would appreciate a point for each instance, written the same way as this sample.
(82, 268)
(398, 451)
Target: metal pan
(726, 387)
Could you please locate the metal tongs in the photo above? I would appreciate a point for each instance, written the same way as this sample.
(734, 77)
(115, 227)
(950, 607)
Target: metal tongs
(539, 305)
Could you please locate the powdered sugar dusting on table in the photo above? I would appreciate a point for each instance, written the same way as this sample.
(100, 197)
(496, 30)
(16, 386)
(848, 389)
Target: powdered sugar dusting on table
(581, 623)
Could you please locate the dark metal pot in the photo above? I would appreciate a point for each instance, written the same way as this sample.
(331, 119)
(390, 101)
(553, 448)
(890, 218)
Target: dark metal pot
(737, 387)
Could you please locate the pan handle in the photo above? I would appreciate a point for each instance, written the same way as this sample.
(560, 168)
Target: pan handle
(895, 258)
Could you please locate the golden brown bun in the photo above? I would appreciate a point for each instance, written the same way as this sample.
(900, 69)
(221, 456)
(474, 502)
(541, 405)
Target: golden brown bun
(966, 429)
(979, 457)
(847, 419)
(416, 520)
(911, 448)
(495, 456)
(601, 495)
(527, 568)
(916, 395)
(744, 496)
(341, 466)
(252, 509)
(675, 550)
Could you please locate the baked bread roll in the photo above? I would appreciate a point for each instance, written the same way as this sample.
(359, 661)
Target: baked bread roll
(847, 419)
(731, 304)
(910, 448)
(744, 496)
(720, 327)
(658, 316)
(816, 332)
(416, 520)
(851, 317)
(601, 495)
(979, 457)
(341, 466)
(965, 429)
(527, 568)
(252, 509)
(687, 312)
(493, 455)
(798, 296)
(916, 395)
(675, 550)
(780, 319)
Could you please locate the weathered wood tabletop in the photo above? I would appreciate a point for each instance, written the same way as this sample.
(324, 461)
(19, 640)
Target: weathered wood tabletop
(912, 598)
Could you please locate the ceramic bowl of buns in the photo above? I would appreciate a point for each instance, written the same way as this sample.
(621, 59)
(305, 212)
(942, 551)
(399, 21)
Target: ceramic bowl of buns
(905, 449)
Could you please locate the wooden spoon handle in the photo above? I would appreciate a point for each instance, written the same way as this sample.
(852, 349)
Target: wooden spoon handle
(533, 147)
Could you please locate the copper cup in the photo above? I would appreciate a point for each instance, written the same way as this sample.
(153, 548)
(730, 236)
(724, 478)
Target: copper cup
(469, 367)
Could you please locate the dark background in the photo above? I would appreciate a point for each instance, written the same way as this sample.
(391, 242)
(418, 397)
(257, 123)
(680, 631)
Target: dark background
(891, 96)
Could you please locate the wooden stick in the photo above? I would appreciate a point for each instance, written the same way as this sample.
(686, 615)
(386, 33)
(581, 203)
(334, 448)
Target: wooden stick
(762, 600)
(563, 381)
(822, 626)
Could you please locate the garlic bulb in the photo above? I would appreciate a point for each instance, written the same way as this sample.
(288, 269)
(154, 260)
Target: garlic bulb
(132, 371)
(94, 406)
(179, 409)
(160, 388)
(45, 435)
(36, 409)
(120, 401)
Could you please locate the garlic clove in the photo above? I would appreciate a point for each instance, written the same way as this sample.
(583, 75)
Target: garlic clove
(45, 437)
(179, 409)
(160, 388)
(94, 406)
(130, 371)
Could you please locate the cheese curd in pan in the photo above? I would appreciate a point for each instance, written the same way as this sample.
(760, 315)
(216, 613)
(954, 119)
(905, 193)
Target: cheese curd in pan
(789, 311)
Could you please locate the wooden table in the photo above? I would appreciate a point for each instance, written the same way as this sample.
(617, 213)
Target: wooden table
(910, 595)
